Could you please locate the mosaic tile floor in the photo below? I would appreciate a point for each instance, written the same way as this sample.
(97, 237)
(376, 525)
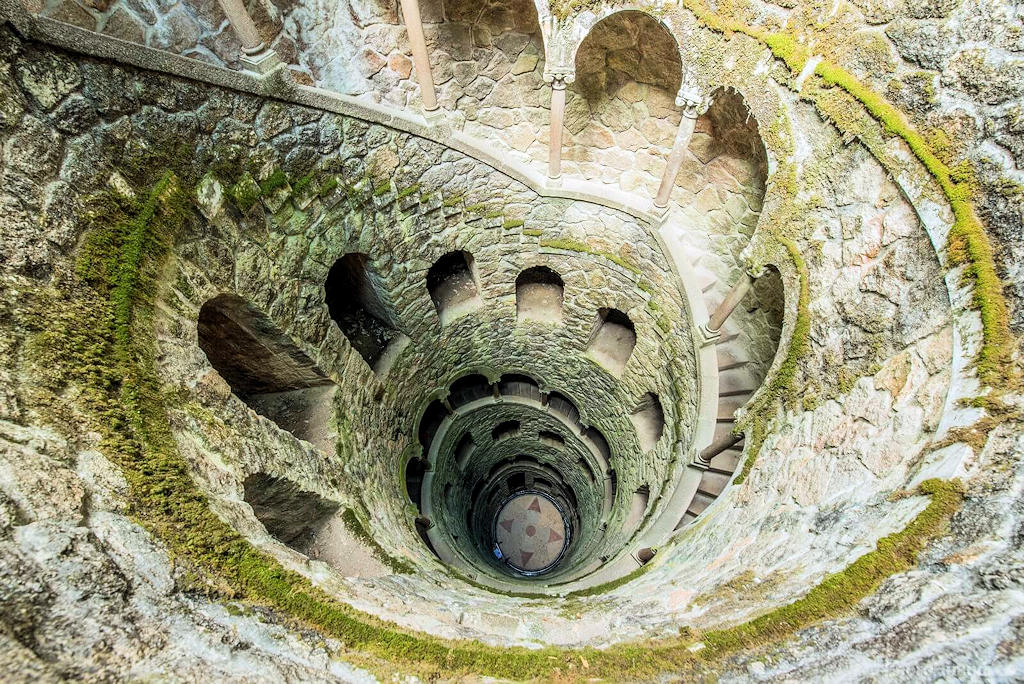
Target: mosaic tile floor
(530, 532)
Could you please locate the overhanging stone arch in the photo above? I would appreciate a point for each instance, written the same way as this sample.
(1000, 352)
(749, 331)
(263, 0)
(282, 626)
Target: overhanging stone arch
(582, 25)
(647, 22)
(622, 104)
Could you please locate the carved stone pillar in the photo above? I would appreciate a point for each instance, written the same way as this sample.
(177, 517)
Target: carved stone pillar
(558, 82)
(689, 99)
(256, 56)
(414, 27)
(711, 329)
(728, 441)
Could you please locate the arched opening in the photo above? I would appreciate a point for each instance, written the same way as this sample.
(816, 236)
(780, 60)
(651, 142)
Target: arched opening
(583, 465)
(505, 430)
(562, 405)
(724, 172)
(515, 385)
(464, 450)
(637, 508)
(355, 297)
(423, 525)
(415, 469)
(612, 341)
(516, 482)
(767, 305)
(265, 369)
(539, 293)
(451, 282)
(551, 439)
(599, 446)
(621, 115)
(290, 514)
(648, 420)
(469, 388)
(434, 414)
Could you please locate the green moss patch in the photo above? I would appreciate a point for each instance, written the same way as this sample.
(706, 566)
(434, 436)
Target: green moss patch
(575, 246)
(840, 592)
(969, 244)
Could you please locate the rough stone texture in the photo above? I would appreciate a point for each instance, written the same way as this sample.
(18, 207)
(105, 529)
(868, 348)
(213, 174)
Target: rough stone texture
(88, 593)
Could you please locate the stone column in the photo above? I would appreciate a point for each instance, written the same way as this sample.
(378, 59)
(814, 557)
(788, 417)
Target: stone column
(689, 99)
(675, 158)
(739, 290)
(256, 56)
(414, 27)
(730, 440)
(558, 83)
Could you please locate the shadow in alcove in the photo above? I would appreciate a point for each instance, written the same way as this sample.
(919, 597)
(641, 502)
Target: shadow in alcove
(312, 525)
(266, 370)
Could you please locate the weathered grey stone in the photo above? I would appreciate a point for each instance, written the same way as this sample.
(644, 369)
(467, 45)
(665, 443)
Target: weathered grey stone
(48, 78)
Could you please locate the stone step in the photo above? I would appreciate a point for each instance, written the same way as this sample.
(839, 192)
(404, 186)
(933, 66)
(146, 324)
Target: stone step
(735, 380)
(713, 482)
(699, 503)
(722, 428)
(728, 404)
(687, 518)
(728, 460)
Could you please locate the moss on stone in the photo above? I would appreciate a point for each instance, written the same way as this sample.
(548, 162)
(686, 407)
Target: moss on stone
(838, 593)
(245, 193)
(353, 525)
(407, 191)
(118, 277)
(510, 224)
(328, 186)
(275, 181)
(574, 246)
(779, 389)
(969, 244)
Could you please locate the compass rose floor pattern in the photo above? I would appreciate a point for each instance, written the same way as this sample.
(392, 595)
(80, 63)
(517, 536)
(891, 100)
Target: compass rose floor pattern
(530, 532)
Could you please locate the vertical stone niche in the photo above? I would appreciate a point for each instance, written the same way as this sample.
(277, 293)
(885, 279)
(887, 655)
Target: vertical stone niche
(539, 294)
(357, 301)
(452, 284)
(612, 341)
(648, 420)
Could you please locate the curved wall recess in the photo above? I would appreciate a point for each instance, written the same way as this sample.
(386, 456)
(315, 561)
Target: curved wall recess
(627, 46)
(355, 297)
(469, 388)
(551, 439)
(565, 407)
(516, 385)
(637, 508)
(612, 341)
(452, 284)
(434, 414)
(415, 470)
(265, 369)
(505, 430)
(539, 295)
(648, 419)
(464, 451)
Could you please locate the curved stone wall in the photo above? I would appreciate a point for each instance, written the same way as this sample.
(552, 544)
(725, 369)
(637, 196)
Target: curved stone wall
(859, 349)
